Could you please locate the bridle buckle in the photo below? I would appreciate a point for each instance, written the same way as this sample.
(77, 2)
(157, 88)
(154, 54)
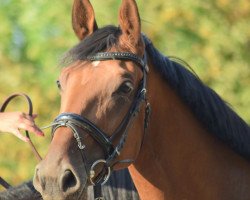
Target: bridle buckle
(102, 179)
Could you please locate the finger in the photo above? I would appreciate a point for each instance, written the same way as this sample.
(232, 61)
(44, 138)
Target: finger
(18, 134)
(28, 117)
(31, 128)
(26, 123)
(25, 118)
(38, 132)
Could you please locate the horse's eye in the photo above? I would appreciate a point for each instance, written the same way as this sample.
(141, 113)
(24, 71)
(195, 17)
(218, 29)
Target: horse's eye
(58, 84)
(126, 88)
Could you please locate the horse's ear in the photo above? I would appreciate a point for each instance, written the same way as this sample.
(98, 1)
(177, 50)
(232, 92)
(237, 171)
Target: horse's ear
(83, 18)
(130, 25)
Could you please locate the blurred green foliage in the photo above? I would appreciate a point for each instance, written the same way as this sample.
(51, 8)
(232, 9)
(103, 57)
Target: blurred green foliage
(212, 36)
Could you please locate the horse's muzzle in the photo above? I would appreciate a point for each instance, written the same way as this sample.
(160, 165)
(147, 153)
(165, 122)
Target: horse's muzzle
(60, 182)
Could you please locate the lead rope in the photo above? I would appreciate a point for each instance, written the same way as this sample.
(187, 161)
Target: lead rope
(34, 150)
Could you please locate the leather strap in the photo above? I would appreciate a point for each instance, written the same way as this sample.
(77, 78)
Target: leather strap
(65, 119)
(2, 109)
(4, 183)
(98, 192)
(119, 56)
(27, 98)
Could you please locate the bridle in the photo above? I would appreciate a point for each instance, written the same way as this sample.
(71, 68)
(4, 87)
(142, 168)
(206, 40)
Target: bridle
(111, 152)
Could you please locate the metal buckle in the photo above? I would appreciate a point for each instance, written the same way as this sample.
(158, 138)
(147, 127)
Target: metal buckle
(92, 172)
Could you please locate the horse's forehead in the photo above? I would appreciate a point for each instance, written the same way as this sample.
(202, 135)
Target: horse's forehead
(106, 68)
(92, 76)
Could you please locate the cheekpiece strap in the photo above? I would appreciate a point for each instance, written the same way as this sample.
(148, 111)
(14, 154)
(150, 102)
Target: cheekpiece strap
(119, 56)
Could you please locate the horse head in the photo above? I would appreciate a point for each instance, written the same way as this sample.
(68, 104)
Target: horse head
(100, 126)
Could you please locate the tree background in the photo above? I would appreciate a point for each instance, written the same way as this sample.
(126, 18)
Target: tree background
(212, 36)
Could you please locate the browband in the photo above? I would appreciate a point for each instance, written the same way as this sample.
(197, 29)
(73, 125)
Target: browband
(120, 56)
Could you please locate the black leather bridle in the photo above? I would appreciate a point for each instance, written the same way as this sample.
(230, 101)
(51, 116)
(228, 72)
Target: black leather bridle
(75, 121)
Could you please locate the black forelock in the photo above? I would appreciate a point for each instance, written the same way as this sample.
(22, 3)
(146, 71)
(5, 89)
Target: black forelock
(101, 40)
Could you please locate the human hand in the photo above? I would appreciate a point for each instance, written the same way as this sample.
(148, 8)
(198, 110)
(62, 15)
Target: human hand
(12, 122)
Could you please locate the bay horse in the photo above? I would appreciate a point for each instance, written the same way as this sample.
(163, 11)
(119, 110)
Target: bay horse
(192, 146)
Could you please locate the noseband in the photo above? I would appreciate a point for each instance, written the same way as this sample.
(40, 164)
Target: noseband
(75, 121)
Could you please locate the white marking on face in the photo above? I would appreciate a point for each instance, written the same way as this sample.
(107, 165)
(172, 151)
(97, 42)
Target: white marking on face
(95, 63)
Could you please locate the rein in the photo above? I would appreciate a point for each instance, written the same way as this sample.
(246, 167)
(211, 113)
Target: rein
(2, 109)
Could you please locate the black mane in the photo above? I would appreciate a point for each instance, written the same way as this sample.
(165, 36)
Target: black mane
(206, 105)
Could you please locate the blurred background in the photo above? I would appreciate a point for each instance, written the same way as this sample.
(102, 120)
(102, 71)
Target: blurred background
(212, 36)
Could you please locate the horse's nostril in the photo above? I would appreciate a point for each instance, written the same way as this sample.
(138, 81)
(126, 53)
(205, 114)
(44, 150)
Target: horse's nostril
(68, 181)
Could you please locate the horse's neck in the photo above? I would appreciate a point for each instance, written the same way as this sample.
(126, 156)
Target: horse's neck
(180, 159)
